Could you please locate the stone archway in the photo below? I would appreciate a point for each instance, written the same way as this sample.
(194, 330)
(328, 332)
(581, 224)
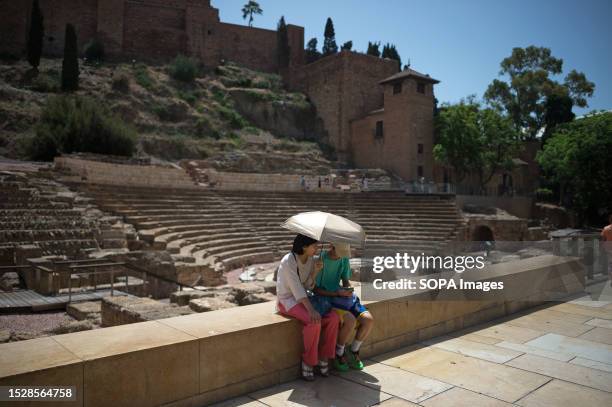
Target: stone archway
(482, 233)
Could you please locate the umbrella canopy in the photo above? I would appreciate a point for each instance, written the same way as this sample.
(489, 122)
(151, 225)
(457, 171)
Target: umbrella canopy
(327, 227)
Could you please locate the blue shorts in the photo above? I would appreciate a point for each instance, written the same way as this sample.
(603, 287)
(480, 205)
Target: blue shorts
(350, 304)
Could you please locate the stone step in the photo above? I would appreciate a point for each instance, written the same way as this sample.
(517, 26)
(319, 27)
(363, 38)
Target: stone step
(248, 259)
(251, 246)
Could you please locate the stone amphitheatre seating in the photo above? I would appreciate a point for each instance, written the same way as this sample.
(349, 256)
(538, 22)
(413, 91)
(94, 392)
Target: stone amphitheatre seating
(40, 222)
(227, 229)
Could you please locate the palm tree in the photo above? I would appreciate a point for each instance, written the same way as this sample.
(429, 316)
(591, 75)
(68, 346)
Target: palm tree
(252, 7)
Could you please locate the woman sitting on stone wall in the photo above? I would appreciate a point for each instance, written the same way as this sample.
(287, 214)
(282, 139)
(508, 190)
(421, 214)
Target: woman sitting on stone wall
(296, 273)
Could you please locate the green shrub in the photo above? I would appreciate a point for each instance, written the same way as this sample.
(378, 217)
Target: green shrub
(141, 74)
(233, 117)
(219, 96)
(78, 123)
(261, 84)
(251, 130)
(183, 68)
(235, 139)
(188, 96)
(94, 50)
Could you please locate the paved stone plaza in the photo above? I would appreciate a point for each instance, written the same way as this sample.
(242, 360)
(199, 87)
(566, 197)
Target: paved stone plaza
(555, 355)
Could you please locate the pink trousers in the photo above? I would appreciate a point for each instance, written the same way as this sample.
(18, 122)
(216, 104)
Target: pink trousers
(320, 338)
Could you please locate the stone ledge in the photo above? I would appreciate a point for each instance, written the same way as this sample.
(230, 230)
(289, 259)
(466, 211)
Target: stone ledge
(203, 358)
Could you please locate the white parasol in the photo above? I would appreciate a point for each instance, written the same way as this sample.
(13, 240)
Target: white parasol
(326, 227)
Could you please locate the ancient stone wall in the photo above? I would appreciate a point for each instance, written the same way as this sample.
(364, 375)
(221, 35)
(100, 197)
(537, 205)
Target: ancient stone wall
(95, 172)
(155, 30)
(343, 87)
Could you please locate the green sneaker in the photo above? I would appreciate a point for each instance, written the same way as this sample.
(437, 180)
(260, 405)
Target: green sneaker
(354, 360)
(340, 363)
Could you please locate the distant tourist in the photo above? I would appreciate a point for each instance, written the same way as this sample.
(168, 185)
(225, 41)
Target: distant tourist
(303, 183)
(296, 273)
(606, 237)
(346, 304)
(319, 182)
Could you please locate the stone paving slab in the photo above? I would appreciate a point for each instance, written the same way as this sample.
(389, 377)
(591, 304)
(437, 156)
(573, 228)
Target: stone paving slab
(520, 347)
(582, 310)
(546, 323)
(557, 393)
(602, 335)
(492, 353)
(575, 346)
(565, 371)
(499, 381)
(606, 367)
(458, 397)
(511, 333)
(396, 382)
(603, 323)
(396, 402)
(477, 338)
(320, 393)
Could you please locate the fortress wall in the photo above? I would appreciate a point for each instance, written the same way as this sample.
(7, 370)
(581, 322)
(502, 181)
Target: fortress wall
(366, 149)
(151, 31)
(202, 358)
(147, 29)
(254, 48)
(343, 87)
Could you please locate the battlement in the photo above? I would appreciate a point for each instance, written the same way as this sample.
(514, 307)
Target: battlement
(153, 30)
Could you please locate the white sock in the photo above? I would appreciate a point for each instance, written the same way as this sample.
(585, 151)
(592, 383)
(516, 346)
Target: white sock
(339, 350)
(356, 345)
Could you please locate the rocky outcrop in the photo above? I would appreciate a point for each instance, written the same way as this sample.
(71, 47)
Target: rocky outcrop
(292, 117)
(127, 310)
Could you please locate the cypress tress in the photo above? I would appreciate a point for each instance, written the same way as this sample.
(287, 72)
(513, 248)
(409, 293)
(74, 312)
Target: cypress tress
(282, 44)
(70, 64)
(35, 35)
(329, 42)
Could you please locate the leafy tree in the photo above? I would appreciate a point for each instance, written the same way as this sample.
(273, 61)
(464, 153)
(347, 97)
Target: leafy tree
(35, 35)
(249, 9)
(557, 110)
(347, 46)
(529, 83)
(389, 51)
(373, 49)
(283, 48)
(311, 51)
(576, 158)
(70, 64)
(474, 140)
(329, 42)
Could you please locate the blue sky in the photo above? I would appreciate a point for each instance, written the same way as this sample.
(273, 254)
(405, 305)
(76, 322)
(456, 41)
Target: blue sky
(459, 42)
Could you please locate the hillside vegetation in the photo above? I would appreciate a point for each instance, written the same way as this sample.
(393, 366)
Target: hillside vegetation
(221, 115)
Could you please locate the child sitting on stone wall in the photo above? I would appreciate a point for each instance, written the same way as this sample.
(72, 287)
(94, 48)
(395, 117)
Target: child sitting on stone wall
(346, 304)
